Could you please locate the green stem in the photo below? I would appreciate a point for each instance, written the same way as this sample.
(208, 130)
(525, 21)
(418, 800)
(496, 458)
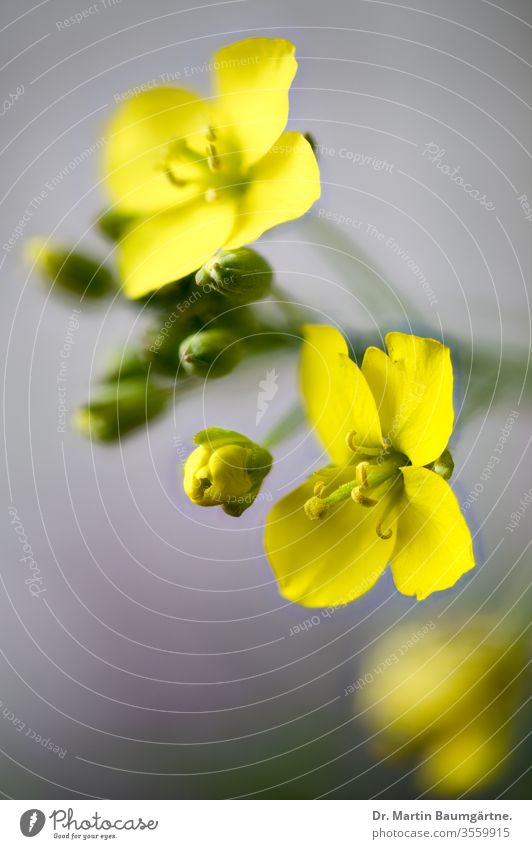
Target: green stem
(366, 283)
(340, 494)
(294, 314)
(289, 424)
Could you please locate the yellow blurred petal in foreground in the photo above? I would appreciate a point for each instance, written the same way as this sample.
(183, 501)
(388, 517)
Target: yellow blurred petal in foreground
(445, 695)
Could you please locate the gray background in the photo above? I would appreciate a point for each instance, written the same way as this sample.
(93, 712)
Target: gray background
(159, 656)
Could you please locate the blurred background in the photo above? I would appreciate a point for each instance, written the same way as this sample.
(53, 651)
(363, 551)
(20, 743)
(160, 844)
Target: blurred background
(144, 648)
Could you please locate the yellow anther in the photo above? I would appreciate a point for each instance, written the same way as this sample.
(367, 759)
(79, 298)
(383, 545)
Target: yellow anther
(166, 168)
(315, 508)
(362, 475)
(359, 498)
(359, 448)
(350, 440)
(213, 160)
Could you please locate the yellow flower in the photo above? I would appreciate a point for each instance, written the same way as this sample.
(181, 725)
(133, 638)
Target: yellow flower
(199, 174)
(446, 695)
(385, 427)
(226, 469)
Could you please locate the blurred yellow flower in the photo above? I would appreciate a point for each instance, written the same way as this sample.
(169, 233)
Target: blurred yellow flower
(385, 427)
(198, 174)
(446, 696)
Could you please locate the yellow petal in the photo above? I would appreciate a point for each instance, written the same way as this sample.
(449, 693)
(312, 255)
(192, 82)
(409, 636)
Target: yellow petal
(139, 135)
(283, 185)
(336, 395)
(434, 680)
(434, 547)
(253, 78)
(329, 561)
(413, 388)
(382, 379)
(171, 244)
(468, 760)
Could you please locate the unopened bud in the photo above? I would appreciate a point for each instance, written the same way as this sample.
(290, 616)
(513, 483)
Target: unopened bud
(113, 224)
(70, 271)
(240, 275)
(444, 465)
(209, 353)
(118, 408)
(226, 469)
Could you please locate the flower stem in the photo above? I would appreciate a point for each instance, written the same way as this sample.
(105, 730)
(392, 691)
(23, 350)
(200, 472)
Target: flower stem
(364, 280)
(292, 311)
(289, 424)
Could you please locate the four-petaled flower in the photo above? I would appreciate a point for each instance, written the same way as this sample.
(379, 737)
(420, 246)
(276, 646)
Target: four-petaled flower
(386, 499)
(199, 174)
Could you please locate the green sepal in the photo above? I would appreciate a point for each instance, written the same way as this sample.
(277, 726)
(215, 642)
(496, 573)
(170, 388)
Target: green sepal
(215, 437)
(443, 465)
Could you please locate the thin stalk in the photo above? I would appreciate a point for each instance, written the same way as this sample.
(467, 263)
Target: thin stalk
(289, 424)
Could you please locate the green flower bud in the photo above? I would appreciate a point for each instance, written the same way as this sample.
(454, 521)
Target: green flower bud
(227, 470)
(240, 276)
(209, 353)
(123, 365)
(70, 271)
(444, 465)
(161, 347)
(113, 224)
(119, 408)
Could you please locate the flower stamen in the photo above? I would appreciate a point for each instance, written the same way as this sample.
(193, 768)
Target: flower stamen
(383, 534)
(316, 508)
(318, 488)
(360, 498)
(374, 472)
(359, 448)
(213, 160)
